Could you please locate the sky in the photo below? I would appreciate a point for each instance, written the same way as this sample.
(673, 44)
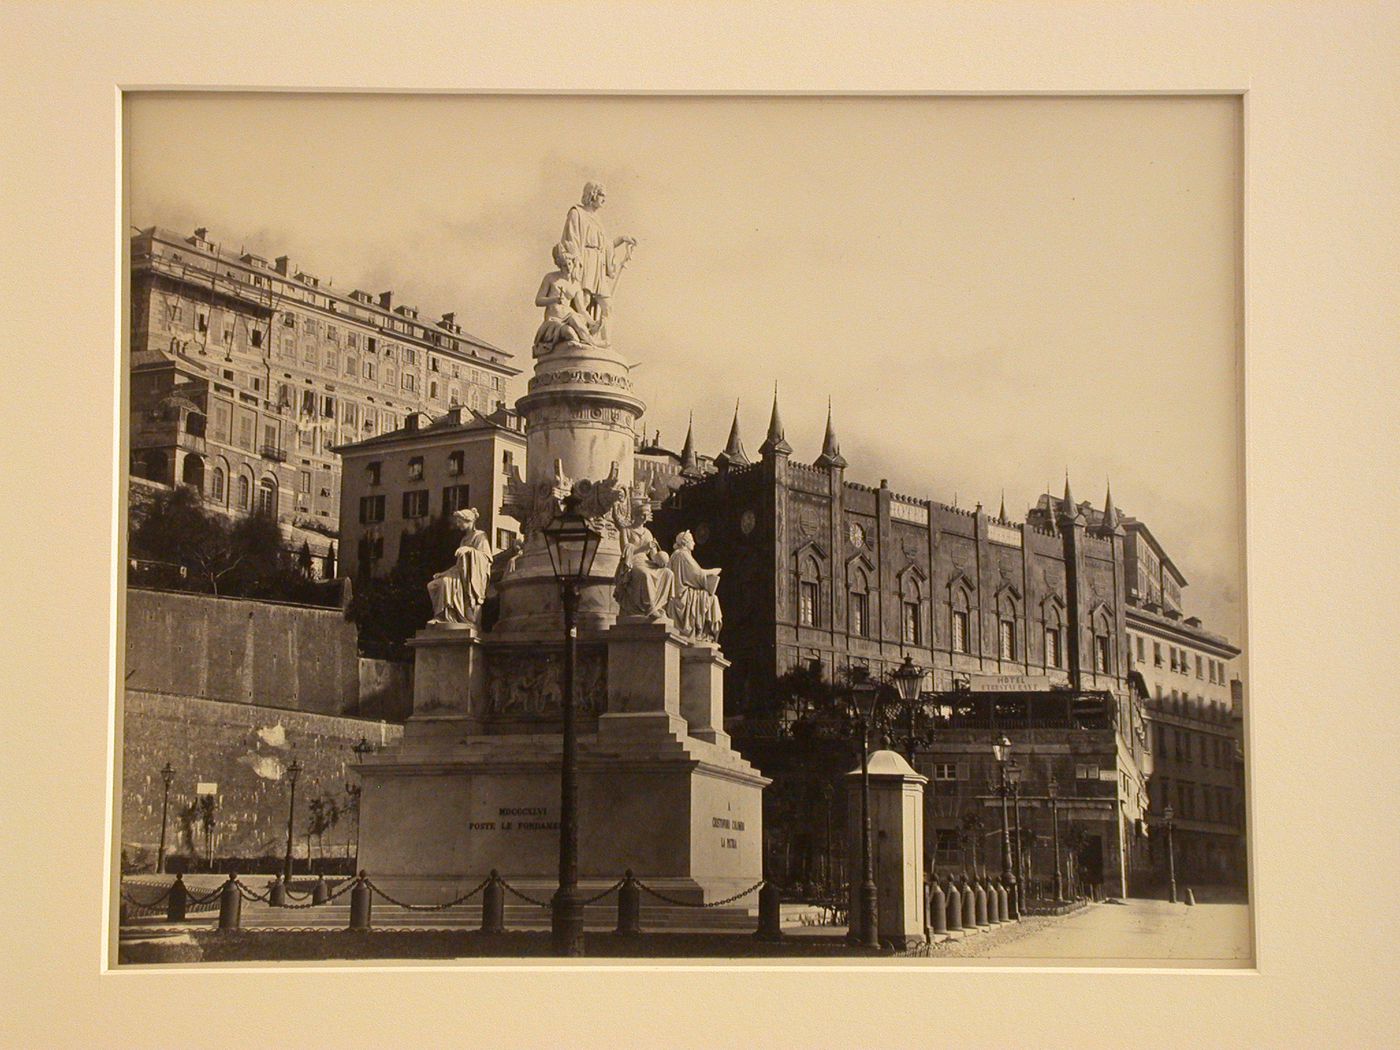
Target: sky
(991, 291)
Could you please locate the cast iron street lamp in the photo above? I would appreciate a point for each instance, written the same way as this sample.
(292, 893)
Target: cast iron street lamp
(1054, 789)
(1015, 774)
(168, 775)
(357, 791)
(1171, 851)
(1001, 751)
(865, 698)
(907, 679)
(572, 543)
(293, 771)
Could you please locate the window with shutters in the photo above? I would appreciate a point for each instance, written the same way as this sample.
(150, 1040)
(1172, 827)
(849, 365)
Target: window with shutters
(415, 504)
(455, 497)
(959, 631)
(371, 509)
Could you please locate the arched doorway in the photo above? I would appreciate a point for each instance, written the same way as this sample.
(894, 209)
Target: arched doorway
(267, 497)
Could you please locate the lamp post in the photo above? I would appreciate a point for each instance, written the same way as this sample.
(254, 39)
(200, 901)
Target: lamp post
(1015, 774)
(168, 775)
(356, 791)
(829, 880)
(1001, 751)
(1054, 789)
(907, 679)
(573, 544)
(865, 698)
(1171, 851)
(293, 771)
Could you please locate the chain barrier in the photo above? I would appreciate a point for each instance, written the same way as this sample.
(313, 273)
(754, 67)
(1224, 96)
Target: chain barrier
(615, 886)
(345, 887)
(249, 895)
(430, 907)
(297, 896)
(691, 904)
(140, 904)
(193, 900)
(525, 897)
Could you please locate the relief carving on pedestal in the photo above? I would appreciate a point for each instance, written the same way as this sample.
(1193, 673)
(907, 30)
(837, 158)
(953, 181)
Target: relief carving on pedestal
(528, 685)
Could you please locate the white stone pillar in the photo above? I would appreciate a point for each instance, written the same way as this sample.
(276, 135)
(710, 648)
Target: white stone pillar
(896, 842)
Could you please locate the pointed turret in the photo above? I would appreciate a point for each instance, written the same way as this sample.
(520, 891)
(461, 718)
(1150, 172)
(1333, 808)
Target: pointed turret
(775, 444)
(733, 454)
(1112, 520)
(1001, 514)
(690, 465)
(831, 448)
(1068, 508)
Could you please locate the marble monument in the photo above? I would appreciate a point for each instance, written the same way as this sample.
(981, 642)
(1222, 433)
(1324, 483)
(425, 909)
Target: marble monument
(474, 785)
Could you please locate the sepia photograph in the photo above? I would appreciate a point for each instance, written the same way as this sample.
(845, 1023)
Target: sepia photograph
(650, 527)
(729, 525)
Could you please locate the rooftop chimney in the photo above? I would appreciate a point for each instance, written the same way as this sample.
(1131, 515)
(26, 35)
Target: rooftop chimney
(386, 300)
(449, 321)
(202, 232)
(282, 264)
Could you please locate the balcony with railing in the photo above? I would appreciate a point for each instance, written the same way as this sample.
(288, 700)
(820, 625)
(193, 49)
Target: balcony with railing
(273, 452)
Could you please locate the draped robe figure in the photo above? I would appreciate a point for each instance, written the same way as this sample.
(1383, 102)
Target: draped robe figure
(598, 263)
(644, 585)
(458, 593)
(694, 608)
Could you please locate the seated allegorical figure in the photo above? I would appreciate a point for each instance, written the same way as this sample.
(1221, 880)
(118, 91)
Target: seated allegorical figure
(694, 608)
(458, 592)
(644, 584)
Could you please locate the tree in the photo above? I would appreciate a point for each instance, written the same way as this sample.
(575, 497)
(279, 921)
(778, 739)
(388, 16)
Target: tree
(391, 609)
(206, 818)
(178, 529)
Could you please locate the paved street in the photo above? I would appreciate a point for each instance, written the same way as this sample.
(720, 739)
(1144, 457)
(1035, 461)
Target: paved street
(1133, 931)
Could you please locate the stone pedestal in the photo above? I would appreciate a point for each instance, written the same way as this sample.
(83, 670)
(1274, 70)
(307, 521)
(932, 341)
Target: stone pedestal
(475, 786)
(897, 845)
(702, 693)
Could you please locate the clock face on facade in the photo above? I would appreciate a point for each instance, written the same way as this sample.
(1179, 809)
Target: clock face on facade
(857, 534)
(747, 521)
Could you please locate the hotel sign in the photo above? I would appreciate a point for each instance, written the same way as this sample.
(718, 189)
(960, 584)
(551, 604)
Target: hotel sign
(1014, 683)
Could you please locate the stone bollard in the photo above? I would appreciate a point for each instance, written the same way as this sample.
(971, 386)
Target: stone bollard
(955, 911)
(770, 914)
(320, 893)
(1190, 896)
(993, 902)
(493, 905)
(969, 903)
(980, 895)
(360, 904)
(938, 908)
(277, 893)
(230, 905)
(178, 901)
(629, 906)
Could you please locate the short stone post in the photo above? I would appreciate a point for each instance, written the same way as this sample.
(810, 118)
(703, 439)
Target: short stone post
(994, 915)
(955, 912)
(230, 905)
(980, 896)
(493, 905)
(360, 904)
(277, 893)
(770, 915)
(969, 903)
(1006, 890)
(629, 906)
(938, 909)
(178, 901)
(1190, 896)
(320, 893)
